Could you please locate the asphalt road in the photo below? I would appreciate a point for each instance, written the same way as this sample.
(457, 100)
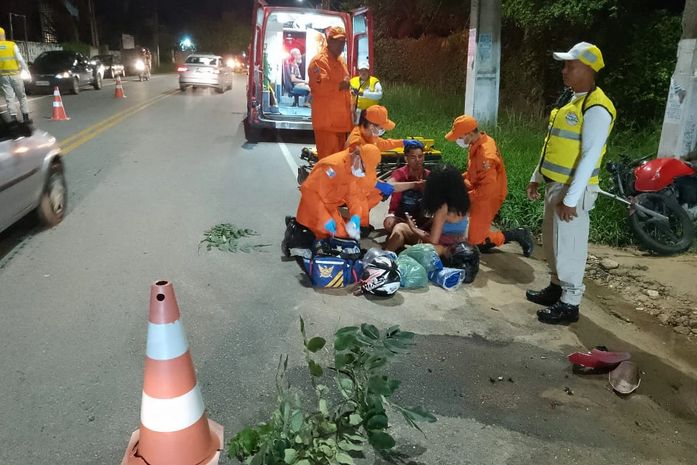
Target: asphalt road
(147, 176)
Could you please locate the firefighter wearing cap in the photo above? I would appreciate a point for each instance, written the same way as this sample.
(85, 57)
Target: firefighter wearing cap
(366, 89)
(333, 182)
(487, 187)
(11, 66)
(373, 123)
(331, 96)
(569, 166)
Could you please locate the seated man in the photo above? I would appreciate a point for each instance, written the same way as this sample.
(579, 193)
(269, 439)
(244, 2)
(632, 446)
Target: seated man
(333, 182)
(408, 182)
(366, 89)
(300, 85)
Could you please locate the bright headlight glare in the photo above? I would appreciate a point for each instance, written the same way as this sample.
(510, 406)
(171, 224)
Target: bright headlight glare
(25, 75)
(64, 75)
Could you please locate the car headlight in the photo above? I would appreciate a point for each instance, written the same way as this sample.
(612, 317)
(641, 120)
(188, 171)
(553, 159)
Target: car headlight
(63, 75)
(25, 75)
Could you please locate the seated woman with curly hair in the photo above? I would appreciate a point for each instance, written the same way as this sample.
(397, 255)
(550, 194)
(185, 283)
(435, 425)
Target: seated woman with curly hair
(446, 202)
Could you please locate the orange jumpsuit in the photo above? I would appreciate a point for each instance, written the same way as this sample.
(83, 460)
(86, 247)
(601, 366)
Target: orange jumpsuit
(487, 187)
(331, 108)
(331, 185)
(373, 196)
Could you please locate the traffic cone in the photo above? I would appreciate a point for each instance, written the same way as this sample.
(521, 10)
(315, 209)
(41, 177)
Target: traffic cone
(118, 93)
(174, 428)
(58, 110)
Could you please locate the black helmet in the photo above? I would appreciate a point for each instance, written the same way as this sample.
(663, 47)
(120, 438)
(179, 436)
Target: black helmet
(466, 257)
(297, 239)
(380, 276)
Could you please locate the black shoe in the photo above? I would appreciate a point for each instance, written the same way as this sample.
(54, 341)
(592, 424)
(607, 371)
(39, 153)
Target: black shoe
(558, 314)
(26, 119)
(547, 296)
(366, 230)
(523, 237)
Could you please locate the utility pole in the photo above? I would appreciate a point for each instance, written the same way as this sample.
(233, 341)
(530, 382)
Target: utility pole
(483, 61)
(12, 32)
(93, 23)
(679, 132)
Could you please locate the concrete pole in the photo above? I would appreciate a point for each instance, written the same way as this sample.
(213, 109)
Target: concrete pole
(484, 61)
(679, 132)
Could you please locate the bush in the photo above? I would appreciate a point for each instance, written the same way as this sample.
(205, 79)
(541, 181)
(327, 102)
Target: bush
(426, 112)
(78, 47)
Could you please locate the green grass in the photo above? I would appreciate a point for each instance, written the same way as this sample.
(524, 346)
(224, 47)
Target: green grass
(430, 112)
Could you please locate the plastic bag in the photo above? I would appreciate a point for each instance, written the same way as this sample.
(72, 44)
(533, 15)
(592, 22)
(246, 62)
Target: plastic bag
(377, 252)
(426, 255)
(412, 274)
(448, 278)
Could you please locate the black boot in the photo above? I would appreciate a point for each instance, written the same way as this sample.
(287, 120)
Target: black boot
(547, 296)
(523, 237)
(558, 314)
(25, 117)
(366, 230)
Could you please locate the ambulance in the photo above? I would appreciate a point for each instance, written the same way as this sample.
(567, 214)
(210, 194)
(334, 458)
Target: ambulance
(272, 102)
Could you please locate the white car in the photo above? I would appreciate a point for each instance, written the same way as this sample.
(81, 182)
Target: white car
(205, 71)
(31, 175)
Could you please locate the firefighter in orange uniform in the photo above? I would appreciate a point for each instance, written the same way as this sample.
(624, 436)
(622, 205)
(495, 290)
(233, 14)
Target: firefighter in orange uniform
(331, 96)
(486, 183)
(372, 124)
(333, 182)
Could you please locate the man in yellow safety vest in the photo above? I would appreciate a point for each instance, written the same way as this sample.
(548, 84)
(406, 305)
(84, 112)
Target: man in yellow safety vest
(11, 84)
(366, 89)
(571, 158)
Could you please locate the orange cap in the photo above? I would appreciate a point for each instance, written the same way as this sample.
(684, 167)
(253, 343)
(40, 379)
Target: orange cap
(336, 32)
(462, 125)
(377, 114)
(371, 156)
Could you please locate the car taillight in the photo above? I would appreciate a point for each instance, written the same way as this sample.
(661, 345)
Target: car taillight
(181, 69)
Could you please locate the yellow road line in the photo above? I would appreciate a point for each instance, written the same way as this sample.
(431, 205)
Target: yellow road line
(70, 143)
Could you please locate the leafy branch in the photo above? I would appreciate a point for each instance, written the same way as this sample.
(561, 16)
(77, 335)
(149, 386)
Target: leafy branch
(326, 432)
(226, 237)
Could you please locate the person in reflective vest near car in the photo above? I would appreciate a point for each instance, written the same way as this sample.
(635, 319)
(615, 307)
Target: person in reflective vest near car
(331, 97)
(332, 183)
(571, 158)
(11, 83)
(366, 89)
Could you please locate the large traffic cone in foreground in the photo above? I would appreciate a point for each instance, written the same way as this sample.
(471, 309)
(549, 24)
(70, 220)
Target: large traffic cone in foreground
(58, 110)
(174, 427)
(118, 93)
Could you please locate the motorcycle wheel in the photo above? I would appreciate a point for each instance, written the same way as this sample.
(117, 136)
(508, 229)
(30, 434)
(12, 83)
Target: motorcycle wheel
(663, 238)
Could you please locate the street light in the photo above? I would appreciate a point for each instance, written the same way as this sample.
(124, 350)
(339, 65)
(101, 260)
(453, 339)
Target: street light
(186, 44)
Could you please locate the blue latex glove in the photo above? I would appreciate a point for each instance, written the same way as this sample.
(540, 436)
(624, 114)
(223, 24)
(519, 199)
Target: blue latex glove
(330, 226)
(412, 144)
(385, 188)
(353, 227)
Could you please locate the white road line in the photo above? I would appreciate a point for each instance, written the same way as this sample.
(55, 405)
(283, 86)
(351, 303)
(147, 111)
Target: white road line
(289, 158)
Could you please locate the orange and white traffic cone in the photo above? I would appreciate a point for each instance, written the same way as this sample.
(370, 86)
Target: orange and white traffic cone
(58, 109)
(174, 427)
(118, 93)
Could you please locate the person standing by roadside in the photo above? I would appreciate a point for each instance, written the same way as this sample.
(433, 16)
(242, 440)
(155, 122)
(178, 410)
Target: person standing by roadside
(569, 165)
(331, 97)
(366, 89)
(11, 66)
(487, 186)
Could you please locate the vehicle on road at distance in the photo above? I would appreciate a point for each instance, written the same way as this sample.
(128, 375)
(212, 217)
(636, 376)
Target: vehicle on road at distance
(112, 66)
(276, 30)
(69, 71)
(31, 175)
(238, 64)
(203, 70)
(142, 69)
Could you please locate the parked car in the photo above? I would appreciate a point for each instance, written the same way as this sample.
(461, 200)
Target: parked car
(31, 175)
(205, 71)
(70, 71)
(112, 66)
(276, 31)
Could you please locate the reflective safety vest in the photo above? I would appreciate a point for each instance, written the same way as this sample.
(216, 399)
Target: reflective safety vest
(356, 85)
(8, 62)
(561, 151)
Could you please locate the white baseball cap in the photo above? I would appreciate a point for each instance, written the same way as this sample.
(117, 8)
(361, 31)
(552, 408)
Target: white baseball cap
(586, 53)
(363, 64)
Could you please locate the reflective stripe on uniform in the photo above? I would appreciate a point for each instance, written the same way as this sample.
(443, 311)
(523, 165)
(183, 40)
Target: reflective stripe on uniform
(563, 170)
(564, 134)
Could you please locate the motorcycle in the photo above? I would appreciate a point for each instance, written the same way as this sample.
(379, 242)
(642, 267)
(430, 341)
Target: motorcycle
(661, 196)
(143, 70)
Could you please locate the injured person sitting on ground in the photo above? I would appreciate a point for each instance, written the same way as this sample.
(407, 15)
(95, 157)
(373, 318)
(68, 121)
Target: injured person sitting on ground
(447, 204)
(332, 183)
(487, 187)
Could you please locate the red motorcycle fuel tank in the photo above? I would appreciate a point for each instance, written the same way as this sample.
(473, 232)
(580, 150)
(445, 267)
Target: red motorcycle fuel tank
(656, 175)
